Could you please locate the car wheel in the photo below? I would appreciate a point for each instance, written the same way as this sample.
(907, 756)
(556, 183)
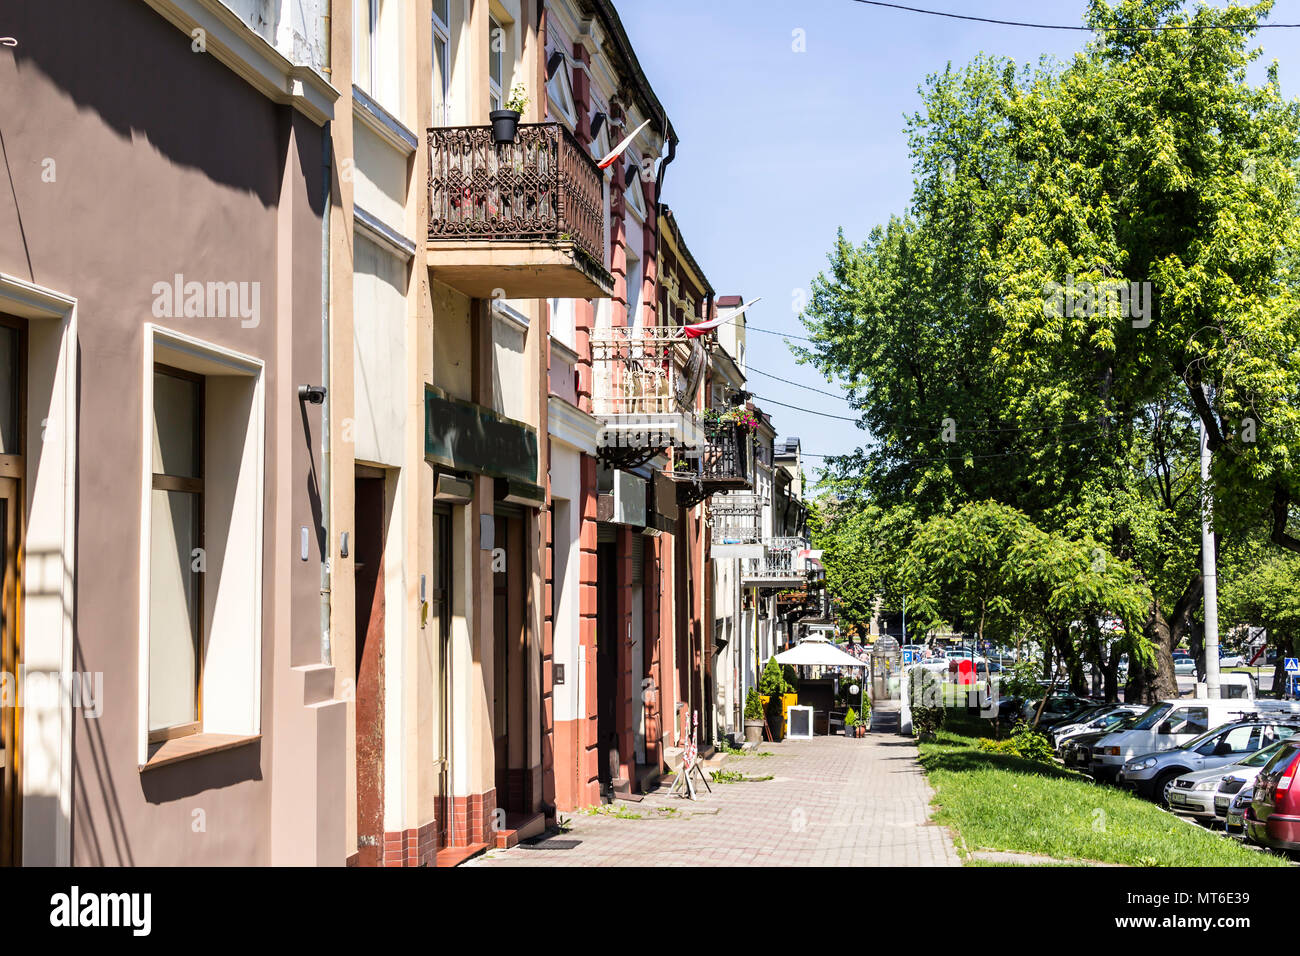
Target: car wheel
(1164, 781)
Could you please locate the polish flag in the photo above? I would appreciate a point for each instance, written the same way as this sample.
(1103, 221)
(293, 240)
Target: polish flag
(621, 147)
(695, 331)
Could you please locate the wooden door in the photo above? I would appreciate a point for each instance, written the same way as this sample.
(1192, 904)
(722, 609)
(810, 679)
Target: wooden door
(10, 650)
(369, 563)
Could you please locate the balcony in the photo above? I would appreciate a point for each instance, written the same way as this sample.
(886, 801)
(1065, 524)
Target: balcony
(645, 385)
(727, 459)
(525, 217)
(781, 566)
(736, 527)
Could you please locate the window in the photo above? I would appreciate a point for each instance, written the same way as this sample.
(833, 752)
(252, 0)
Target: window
(559, 92)
(365, 40)
(10, 350)
(633, 290)
(441, 62)
(1190, 720)
(176, 556)
(202, 542)
(496, 62)
(635, 195)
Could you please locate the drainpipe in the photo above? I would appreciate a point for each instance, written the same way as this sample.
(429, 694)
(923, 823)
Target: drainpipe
(326, 652)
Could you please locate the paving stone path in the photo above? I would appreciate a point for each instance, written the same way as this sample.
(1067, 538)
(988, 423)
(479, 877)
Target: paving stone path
(833, 801)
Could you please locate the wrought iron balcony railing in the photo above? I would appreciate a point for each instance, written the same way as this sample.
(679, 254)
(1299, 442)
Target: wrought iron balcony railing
(781, 561)
(543, 187)
(737, 519)
(645, 383)
(727, 457)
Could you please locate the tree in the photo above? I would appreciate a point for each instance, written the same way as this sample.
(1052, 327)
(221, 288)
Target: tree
(984, 337)
(1262, 589)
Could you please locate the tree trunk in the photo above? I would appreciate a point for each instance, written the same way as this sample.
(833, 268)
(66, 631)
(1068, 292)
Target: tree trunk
(1110, 675)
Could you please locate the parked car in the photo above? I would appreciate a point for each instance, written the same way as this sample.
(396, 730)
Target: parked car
(1058, 707)
(1234, 823)
(1231, 660)
(1205, 794)
(1150, 773)
(1107, 718)
(1077, 751)
(1184, 667)
(1172, 723)
(1273, 817)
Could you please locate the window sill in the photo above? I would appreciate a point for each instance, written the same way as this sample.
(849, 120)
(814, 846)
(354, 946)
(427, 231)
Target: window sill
(195, 745)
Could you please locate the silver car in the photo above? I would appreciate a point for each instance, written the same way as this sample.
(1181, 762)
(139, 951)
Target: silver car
(1205, 794)
(1150, 774)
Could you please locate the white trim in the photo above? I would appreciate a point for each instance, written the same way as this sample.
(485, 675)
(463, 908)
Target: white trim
(382, 123)
(238, 364)
(260, 64)
(49, 559)
(382, 234)
(572, 426)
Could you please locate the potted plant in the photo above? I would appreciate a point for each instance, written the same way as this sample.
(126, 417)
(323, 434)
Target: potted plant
(851, 723)
(753, 717)
(505, 121)
(776, 695)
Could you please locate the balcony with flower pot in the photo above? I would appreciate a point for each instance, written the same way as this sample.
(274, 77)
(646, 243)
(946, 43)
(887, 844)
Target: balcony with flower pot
(644, 389)
(525, 216)
(727, 458)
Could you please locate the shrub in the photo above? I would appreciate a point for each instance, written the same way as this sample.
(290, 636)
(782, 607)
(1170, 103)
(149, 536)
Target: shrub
(1024, 742)
(772, 682)
(851, 718)
(753, 706)
(925, 697)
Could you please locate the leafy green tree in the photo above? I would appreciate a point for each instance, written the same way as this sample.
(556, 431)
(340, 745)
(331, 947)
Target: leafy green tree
(1261, 587)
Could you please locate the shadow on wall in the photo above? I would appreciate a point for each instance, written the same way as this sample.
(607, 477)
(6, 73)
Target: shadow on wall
(162, 97)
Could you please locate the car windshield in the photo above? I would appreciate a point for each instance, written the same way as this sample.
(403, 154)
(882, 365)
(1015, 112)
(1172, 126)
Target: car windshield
(1262, 756)
(1110, 720)
(1152, 716)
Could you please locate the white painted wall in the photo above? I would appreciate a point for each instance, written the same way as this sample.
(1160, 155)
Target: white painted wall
(296, 28)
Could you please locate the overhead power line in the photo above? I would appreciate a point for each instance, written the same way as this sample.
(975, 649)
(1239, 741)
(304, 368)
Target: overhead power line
(1173, 27)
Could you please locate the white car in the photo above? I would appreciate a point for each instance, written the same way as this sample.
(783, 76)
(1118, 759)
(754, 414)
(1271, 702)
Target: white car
(1172, 723)
(1185, 667)
(1205, 794)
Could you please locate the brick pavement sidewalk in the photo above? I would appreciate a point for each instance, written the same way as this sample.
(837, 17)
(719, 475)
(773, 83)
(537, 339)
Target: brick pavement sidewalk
(834, 801)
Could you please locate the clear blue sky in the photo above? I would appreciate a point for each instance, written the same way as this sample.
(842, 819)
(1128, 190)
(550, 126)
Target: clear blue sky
(779, 149)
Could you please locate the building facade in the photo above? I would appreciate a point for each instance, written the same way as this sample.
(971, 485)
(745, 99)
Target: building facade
(399, 535)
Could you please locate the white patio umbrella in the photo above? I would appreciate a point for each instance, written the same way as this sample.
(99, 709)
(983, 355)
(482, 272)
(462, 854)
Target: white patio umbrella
(814, 650)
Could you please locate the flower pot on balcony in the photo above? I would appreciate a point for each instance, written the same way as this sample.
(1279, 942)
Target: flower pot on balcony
(505, 123)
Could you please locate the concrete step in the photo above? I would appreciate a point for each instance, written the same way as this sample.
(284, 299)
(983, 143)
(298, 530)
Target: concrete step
(520, 826)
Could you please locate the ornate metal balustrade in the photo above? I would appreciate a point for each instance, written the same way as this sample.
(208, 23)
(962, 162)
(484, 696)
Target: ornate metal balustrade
(780, 564)
(543, 187)
(726, 460)
(737, 519)
(645, 385)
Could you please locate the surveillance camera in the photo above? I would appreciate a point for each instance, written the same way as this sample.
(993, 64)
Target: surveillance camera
(315, 394)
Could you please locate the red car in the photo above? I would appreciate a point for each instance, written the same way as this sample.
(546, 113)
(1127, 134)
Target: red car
(1273, 817)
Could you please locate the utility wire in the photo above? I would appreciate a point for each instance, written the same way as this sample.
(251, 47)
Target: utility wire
(1186, 27)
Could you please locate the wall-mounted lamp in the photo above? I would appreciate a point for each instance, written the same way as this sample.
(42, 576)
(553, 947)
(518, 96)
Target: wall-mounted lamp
(554, 62)
(312, 394)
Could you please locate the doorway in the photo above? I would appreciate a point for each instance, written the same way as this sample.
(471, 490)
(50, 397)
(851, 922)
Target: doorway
(368, 558)
(10, 792)
(13, 349)
(607, 640)
(510, 722)
(440, 624)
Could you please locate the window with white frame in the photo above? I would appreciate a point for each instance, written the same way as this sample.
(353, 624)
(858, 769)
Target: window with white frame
(634, 282)
(202, 541)
(441, 62)
(377, 52)
(564, 321)
(496, 62)
(633, 192)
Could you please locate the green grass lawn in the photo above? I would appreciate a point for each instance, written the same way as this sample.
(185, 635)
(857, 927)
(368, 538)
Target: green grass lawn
(1002, 802)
